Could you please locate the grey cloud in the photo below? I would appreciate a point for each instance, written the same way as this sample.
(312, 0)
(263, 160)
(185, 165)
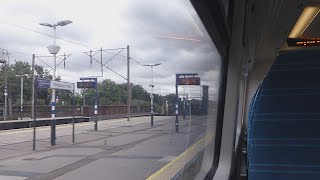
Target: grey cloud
(142, 20)
(157, 17)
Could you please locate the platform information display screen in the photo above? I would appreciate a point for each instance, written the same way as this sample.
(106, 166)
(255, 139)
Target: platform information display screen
(189, 81)
(87, 84)
(303, 42)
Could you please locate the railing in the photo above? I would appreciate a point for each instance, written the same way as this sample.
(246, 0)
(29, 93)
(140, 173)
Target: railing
(66, 111)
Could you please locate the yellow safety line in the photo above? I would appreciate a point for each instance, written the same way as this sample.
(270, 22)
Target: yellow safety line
(160, 171)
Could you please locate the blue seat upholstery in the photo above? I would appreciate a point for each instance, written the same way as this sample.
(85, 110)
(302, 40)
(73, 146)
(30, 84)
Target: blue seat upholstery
(284, 120)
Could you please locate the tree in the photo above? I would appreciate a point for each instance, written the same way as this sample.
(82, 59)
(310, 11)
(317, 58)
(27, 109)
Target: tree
(171, 98)
(14, 84)
(111, 93)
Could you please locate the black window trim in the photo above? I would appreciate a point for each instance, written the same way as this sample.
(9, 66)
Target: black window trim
(218, 26)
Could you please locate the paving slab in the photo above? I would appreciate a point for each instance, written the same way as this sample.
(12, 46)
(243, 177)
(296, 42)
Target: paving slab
(115, 169)
(12, 178)
(166, 145)
(44, 165)
(119, 140)
(66, 152)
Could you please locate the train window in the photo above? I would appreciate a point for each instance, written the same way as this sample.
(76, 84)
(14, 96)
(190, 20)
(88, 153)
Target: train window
(122, 90)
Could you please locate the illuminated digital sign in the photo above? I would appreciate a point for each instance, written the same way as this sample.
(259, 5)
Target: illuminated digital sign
(87, 84)
(189, 81)
(303, 42)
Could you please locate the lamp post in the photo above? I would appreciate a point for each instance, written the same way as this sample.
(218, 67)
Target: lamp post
(5, 89)
(54, 49)
(84, 101)
(167, 107)
(21, 95)
(152, 86)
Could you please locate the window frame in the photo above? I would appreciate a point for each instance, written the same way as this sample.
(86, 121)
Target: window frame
(218, 26)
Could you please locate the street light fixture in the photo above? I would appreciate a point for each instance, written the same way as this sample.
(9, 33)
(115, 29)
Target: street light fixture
(59, 23)
(151, 66)
(21, 95)
(54, 49)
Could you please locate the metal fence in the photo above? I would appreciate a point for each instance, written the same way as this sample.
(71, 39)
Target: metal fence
(67, 111)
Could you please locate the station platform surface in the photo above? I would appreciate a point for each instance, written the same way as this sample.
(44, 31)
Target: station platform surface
(118, 150)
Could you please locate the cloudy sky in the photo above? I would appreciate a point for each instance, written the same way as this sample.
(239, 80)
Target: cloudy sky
(157, 31)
